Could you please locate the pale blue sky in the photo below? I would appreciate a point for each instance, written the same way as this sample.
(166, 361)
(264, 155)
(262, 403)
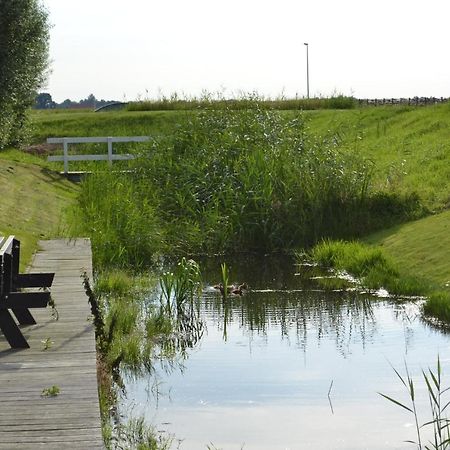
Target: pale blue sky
(123, 49)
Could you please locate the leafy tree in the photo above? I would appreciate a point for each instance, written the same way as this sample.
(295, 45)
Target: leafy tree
(24, 36)
(44, 101)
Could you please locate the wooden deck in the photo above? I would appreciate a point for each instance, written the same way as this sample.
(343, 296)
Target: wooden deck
(71, 419)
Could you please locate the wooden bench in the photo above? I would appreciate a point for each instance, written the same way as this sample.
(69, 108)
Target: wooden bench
(11, 296)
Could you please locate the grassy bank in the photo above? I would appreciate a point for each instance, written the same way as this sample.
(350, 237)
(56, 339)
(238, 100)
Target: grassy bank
(35, 201)
(409, 146)
(421, 246)
(372, 266)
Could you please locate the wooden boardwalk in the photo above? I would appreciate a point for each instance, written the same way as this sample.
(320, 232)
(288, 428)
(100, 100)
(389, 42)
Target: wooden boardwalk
(71, 419)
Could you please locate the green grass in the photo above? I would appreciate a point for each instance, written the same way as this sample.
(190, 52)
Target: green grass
(421, 247)
(175, 103)
(371, 265)
(34, 203)
(60, 123)
(409, 146)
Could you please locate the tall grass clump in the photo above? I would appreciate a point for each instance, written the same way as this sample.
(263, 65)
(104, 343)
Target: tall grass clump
(121, 219)
(369, 264)
(180, 294)
(136, 434)
(438, 305)
(438, 420)
(228, 180)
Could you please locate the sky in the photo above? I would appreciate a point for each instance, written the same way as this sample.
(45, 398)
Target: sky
(136, 49)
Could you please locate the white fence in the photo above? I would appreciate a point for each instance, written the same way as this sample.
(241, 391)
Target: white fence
(110, 156)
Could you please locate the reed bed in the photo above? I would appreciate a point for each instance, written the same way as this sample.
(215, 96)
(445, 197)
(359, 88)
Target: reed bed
(229, 180)
(176, 103)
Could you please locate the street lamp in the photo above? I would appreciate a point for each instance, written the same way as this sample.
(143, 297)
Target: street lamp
(307, 69)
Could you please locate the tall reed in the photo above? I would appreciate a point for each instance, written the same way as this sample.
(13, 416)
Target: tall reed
(231, 180)
(438, 421)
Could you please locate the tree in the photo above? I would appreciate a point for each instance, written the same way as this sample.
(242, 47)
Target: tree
(24, 36)
(44, 101)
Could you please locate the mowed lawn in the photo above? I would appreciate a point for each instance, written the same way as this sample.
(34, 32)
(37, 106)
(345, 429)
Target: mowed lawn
(421, 247)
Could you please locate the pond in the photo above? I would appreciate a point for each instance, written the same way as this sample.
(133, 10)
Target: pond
(291, 366)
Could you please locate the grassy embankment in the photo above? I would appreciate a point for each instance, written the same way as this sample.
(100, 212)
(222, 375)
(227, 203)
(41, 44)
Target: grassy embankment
(411, 149)
(34, 201)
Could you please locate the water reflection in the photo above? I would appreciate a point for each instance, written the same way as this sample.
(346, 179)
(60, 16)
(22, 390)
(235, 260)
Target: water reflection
(262, 371)
(342, 316)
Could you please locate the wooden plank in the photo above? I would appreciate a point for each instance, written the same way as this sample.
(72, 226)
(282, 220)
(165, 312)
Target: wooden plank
(72, 418)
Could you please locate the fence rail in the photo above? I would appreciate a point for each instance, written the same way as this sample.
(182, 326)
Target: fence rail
(412, 101)
(110, 156)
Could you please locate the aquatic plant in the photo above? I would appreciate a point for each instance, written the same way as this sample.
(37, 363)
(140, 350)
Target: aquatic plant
(438, 305)
(180, 294)
(181, 284)
(438, 421)
(137, 434)
(224, 280)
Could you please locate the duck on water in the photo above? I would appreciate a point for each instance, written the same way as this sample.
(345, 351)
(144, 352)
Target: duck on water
(232, 289)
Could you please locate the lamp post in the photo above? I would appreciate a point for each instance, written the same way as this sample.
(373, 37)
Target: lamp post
(307, 69)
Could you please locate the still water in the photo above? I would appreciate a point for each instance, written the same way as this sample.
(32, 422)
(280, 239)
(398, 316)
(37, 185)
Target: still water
(290, 366)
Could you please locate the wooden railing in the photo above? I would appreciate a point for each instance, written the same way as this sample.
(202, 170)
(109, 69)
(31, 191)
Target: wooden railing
(11, 297)
(110, 156)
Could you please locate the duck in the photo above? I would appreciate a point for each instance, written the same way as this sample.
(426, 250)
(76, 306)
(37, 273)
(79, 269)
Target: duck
(232, 289)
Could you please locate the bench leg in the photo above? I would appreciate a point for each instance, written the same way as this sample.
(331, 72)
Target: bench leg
(24, 316)
(11, 331)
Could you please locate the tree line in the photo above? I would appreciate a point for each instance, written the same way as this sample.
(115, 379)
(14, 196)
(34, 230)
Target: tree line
(44, 101)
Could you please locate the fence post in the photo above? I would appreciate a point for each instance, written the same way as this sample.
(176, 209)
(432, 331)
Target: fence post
(110, 151)
(66, 154)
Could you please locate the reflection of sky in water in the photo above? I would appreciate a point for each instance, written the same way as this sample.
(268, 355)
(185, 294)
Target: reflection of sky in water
(268, 388)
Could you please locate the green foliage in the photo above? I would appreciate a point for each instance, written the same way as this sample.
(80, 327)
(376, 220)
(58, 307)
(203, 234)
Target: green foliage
(175, 103)
(121, 220)
(370, 264)
(438, 405)
(137, 435)
(225, 272)
(52, 391)
(234, 180)
(182, 284)
(438, 305)
(410, 146)
(24, 34)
